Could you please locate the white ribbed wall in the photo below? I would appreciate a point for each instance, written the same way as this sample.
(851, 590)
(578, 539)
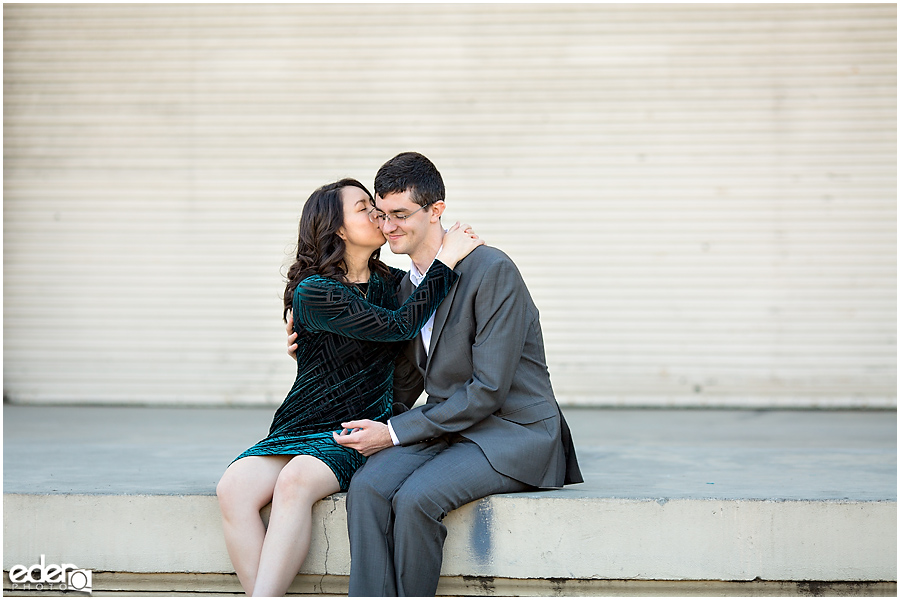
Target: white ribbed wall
(701, 197)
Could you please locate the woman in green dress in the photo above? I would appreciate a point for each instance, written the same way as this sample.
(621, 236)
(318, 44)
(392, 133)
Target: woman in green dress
(343, 304)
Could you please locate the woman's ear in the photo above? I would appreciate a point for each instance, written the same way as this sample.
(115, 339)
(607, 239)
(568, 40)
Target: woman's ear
(341, 234)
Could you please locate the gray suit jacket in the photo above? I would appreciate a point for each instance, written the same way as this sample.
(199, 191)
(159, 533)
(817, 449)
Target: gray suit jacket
(486, 376)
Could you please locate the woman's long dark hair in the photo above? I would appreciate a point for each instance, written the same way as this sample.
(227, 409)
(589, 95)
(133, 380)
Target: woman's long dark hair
(320, 251)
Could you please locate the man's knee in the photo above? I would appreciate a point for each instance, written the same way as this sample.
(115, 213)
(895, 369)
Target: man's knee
(364, 487)
(412, 502)
(375, 476)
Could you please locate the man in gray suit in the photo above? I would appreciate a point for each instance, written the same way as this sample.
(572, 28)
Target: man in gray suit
(490, 424)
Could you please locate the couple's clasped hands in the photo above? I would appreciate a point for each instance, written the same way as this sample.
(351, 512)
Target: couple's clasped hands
(365, 436)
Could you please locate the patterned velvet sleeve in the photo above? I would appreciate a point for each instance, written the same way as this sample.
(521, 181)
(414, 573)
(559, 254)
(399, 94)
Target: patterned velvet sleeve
(397, 274)
(328, 305)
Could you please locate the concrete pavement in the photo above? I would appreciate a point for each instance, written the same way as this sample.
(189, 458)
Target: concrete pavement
(634, 454)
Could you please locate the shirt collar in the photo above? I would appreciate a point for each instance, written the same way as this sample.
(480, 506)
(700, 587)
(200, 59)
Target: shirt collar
(414, 274)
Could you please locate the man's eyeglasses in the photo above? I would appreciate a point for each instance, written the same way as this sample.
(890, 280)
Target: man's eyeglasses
(376, 216)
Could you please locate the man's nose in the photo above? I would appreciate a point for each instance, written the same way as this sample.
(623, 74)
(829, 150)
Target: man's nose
(388, 226)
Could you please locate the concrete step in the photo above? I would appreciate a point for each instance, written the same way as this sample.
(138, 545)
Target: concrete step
(706, 502)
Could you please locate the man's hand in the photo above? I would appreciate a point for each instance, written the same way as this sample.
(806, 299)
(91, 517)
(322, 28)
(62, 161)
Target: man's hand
(292, 337)
(366, 437)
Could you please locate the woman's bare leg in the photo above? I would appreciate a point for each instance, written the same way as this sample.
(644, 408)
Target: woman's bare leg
(246, 487)
(302, 482)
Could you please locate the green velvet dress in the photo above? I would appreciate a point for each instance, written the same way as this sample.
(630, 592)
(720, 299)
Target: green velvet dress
(347, 342)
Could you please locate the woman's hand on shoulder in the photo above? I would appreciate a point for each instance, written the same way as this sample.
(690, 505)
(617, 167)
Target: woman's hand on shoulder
(292, 335)
(459, 241)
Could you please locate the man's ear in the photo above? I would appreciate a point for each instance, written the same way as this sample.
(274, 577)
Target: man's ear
(437, 209)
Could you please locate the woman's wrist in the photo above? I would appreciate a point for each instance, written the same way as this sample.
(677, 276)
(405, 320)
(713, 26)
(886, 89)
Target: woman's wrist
(447, 260)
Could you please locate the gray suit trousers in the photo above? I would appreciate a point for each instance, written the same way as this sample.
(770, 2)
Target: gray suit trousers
(396, 506)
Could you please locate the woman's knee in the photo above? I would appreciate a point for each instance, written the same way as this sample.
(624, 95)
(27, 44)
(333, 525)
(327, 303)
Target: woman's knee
(230, 492)
(242, 488)
(304, 479)
(289, 485)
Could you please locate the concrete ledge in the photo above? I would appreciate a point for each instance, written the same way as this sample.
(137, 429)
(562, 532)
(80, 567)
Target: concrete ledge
(515, 536)
(191, 584)
(675, 503)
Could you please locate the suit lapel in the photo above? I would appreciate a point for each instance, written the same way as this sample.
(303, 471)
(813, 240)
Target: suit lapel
(406, 288)
(440, 317)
